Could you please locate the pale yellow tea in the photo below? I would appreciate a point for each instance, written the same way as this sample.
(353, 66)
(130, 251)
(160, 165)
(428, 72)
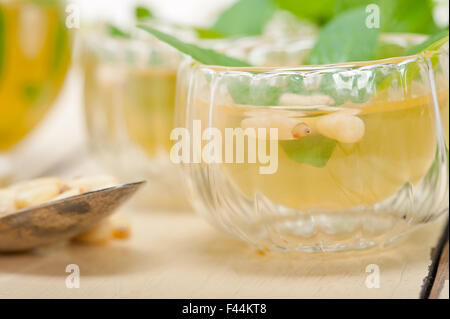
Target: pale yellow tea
(34, 57)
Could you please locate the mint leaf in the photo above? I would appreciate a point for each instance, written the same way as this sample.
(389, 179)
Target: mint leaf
(398, 15)
(202, 55)
(2, 41)
(433, 43)
(345, 38)
(319, 12)
(245, 18)
(314, 150)
(208, 34)
(262, 94)
(407, 16)
(142, 13)
(116, 32)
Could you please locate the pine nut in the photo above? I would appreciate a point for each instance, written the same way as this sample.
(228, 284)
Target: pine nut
(290, 99)
(32, 195)
(97, 235)
(121, 226)
(344, 128)
(285, 125)
(7, 203)
(91, 183)
(68, 193)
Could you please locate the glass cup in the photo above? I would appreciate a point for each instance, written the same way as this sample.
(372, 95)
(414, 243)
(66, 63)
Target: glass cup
(317, 158)
(129, 95)
(34, 57)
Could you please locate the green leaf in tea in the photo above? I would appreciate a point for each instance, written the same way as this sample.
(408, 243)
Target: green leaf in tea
(116, 32)
(202, 55)
(245, 18)
(345, 38)
(261, 94)
(314, 150)
(143, 13)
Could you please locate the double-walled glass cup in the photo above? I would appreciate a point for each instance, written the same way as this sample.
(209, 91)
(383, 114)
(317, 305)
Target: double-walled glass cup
(318, 158)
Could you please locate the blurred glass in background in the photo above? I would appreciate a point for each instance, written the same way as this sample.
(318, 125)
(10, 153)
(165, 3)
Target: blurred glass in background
(34, 58)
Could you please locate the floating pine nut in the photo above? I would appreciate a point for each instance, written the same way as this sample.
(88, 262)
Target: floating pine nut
(285, 125)
(305, 100)
(87, 184)
(344, 128)
(301, 130)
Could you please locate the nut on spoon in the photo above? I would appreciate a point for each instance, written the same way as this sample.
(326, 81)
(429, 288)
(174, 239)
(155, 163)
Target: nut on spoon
(60, 219)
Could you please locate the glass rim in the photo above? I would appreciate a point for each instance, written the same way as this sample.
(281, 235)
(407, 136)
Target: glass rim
(337, 66)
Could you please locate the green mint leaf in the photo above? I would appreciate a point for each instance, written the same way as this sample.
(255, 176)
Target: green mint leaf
(319, 12)
(116, 32)
(345, 38)
(398, 15)
(208, 34)
(314, 150)
(202, 55)
(262, 94)
(407, 16)
(433, 43)
(2, 41)
(387, 50)
(142, 13)
(245, 18)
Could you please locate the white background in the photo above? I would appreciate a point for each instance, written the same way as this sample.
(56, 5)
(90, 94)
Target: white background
(192, 12)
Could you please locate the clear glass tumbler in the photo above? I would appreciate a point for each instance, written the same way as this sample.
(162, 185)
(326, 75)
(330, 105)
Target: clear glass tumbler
(361, 150)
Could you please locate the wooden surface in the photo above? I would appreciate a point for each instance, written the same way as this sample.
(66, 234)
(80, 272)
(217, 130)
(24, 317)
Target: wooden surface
(177, 255)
